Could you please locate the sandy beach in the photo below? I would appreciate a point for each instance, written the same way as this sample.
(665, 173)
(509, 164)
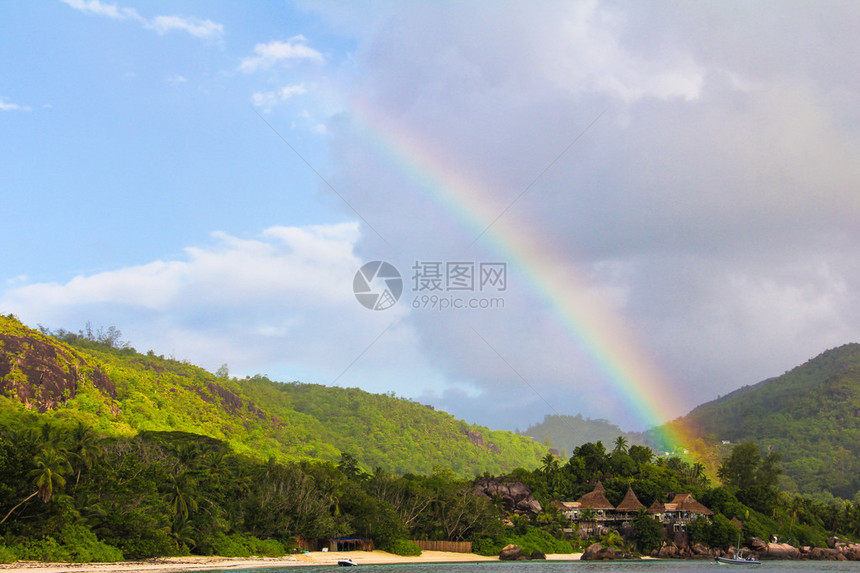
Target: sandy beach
(196, 563)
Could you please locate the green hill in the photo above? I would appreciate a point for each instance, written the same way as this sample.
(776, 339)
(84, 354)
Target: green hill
(119, 391)
(810, 415)
(567, 432)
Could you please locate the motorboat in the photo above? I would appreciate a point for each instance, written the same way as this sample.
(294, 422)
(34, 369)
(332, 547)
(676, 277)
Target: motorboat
(739, 559)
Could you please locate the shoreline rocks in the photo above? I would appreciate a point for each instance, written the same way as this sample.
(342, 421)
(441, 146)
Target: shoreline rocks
(838, 551)
(596, 552)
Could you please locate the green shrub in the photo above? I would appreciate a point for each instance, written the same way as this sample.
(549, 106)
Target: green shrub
(157, 543)
(486, 546)
(83, 546)
(266, 547)
(7, 555)
(723, 532)
(754, 528)
(719, 532)
(537, 539)
(699, 531)
(45, 549)
(647, 533)
(228, 546)
(402, 547)
(238, 545)
(806, 535)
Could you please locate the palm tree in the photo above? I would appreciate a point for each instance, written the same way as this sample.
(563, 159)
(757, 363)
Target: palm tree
(50, 435)
(47, 476)
(83, 449)
(182, 532)
(180, 497)
(549, 463)
(620, 445)
(698, 473)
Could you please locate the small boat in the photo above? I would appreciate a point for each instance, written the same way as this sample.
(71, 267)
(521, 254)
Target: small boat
(346, 562)
(739, 559)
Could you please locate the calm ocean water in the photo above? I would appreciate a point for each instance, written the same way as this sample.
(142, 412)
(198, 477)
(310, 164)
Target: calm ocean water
(587, 567)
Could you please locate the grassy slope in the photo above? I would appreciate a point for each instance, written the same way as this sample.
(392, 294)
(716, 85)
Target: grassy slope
(270, 419)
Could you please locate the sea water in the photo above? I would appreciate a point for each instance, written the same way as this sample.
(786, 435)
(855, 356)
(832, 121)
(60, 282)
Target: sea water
(647, 566)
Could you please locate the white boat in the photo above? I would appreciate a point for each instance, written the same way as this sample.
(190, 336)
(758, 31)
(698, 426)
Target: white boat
(739, 559)
(346, 562)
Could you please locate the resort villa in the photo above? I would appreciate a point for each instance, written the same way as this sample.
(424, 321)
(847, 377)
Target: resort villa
(596, 515)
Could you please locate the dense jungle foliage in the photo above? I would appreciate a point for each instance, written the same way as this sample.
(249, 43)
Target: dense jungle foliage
(69, 494)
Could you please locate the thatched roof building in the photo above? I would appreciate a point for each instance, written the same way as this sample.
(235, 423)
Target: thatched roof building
(596, 499)
(657, 507)
(565, 505)
(686, 502)
(682, 502)
(630, 503)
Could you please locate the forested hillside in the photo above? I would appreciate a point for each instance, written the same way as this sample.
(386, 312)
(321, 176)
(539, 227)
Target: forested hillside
(107, 454)
(810, 415)
(564, 433)
(120, 392)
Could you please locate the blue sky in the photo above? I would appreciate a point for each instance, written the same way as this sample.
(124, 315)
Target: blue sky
(711, 206)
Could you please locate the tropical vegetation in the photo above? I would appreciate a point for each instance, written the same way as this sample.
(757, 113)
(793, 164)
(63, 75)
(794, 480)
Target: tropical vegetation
(109, 454)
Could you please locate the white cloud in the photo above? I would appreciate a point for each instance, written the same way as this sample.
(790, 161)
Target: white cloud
(280, 303)
(97, 8)
(197, 28)
(293, 50)
(9, 106)
(204, 29)
(267, 100)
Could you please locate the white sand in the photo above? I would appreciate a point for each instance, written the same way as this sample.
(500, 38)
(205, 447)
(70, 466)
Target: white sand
(169, 564)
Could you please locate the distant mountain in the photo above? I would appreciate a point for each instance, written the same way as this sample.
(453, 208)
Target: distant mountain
(564, 433)
(811, 415)
(119, 391)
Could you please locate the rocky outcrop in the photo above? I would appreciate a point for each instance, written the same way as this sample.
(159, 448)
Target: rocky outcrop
(231, 402)
(701, 551)
(838, 550)
(852, 552)
(511, 553)
(779, 551)
(516, 496)
(515, 553)
(825, 554)
(43, 375)
(477, 439)
(596, 552)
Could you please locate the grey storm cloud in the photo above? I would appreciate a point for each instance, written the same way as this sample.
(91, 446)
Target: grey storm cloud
(714, 199)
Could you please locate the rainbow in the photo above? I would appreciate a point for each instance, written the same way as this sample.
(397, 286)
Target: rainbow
(583, 310)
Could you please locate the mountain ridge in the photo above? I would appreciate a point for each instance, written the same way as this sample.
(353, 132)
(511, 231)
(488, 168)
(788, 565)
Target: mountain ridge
(119, 391)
